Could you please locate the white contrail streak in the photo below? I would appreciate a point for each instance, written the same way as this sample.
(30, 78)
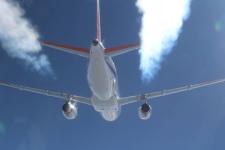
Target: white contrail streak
(19, 38)
(162, 21)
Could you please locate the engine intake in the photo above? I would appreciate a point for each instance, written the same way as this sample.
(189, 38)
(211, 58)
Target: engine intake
(145, 111)
(69, 110)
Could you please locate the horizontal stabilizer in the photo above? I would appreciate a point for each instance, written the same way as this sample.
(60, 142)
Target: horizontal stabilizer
(121, 49)
(84, 52)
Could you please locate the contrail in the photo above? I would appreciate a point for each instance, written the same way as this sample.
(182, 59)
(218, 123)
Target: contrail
(162, 21)
(19, 38)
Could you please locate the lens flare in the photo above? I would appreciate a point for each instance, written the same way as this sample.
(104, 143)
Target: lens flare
(2, 128)
(218, 26)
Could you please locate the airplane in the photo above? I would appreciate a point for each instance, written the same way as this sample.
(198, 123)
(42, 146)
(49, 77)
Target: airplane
(102, 80)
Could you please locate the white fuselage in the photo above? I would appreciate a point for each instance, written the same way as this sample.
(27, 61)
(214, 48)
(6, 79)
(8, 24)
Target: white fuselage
(103, 83)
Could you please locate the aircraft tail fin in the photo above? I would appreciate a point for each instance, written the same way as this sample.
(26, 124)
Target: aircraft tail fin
(98, 23)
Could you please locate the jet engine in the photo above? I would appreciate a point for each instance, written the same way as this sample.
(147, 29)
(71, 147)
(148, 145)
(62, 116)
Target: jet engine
(69, 110)
(145, 111)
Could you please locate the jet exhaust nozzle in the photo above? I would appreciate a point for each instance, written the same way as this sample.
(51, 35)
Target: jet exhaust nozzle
(95, 42)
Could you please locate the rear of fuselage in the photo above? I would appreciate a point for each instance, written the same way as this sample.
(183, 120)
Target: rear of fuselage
(102, 82)
(102, 77)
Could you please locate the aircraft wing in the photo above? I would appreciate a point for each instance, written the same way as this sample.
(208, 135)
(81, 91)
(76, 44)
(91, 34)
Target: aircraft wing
(121, 49)
(149, 96)
(60, 95)
(84, 52)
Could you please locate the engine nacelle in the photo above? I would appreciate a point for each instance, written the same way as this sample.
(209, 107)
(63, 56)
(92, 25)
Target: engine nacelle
(145, 111)
(69, 110)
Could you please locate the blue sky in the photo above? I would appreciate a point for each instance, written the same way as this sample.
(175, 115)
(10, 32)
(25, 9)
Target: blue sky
(193, 120)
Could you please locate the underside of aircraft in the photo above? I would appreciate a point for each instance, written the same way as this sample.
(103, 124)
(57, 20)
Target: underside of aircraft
(102, 79)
